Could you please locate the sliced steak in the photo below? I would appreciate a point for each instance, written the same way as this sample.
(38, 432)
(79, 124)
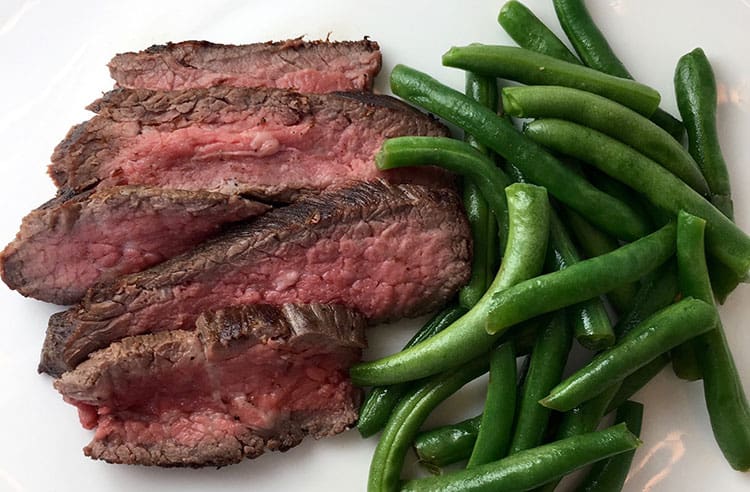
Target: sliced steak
(387, 251)
(247, 379)
(305, 66)
(266, 142)
(70, 243)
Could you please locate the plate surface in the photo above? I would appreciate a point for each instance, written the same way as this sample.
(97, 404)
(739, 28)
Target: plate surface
(53, 56)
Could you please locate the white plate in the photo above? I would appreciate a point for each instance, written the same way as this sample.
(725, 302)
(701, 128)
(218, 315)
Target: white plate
(53, 57)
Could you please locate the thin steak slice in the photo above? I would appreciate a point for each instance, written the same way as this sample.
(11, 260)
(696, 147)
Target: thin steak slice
(266, 142)
(247, 379)
(387, 251)
(305, 66)
(70, 243)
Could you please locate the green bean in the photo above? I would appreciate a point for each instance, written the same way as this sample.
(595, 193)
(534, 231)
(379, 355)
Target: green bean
(408, 417)
(596, 243)
(727, 404)
(530, 33)
(528, 210)
(381, 400)
(496, 430)
(530, 68)
(609, 475)
(610, 118)
(545, 370)
(591, 324)
(584, 280)
(658, 334)
(532, 467)
(695, 87)
(540, 167)
(499, 311)
(455, 156)
(483, 226)
(728, 243)
(593, 48)
(447, 444)
(633, 383)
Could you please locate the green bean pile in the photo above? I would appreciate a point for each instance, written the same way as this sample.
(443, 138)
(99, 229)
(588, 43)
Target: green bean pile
(607, 230)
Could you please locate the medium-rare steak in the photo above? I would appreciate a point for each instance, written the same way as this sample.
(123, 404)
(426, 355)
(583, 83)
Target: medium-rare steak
(388, 251)
(70, 243)
(266, 142)
(305, 66)
(247, 379)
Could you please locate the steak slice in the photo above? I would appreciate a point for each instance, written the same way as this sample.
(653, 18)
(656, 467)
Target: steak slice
(305, 66)
(266, 142)
(70, 243)
(387, 251)
(247, 379)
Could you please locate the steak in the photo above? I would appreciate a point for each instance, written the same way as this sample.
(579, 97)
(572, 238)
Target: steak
(269, 143)
(245, 380)
(389, 251)
(316, 66)
(70, 243)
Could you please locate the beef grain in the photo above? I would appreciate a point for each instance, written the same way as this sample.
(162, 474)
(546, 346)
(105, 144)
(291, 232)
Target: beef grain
(72, 242)
(389, 251)
(246, 380)
(305, 66)
(269, 143)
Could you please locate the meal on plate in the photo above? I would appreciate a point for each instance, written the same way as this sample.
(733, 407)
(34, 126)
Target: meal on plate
(233, 218)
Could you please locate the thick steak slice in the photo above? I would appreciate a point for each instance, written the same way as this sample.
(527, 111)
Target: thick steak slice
(70, 243)
(266, 142)
(305, 66)
(387, 251)
(247, 379)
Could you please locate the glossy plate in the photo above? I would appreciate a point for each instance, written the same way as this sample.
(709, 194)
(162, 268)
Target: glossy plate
(53, 56)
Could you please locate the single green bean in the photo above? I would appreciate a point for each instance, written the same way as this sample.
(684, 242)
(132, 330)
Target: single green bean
(594, 50)
(532, 467)
(658, 334)
(381, 400)
(530, 68)
(591, 323)
(530, 33)
(539, 166)
(496, 430)
(483, 225)
(528, 210)
(727, 404)
(447, 444)
(727, 242)
(545, 370)
(695, 87)
(609, 475)
(610, 118)
(633, 383)
(584, 280)
(408, 417)
(596, 243)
